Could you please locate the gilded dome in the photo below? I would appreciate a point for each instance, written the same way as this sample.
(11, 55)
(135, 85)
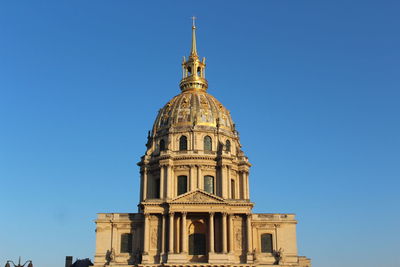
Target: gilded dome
(193, 108)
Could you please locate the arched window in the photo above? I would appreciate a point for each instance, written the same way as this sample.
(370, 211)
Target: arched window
(126, 243)
(183, 143)
(162, 145)
(209, 184)
(207, 143)
(266, 243)
(182, 184)
(228, 146)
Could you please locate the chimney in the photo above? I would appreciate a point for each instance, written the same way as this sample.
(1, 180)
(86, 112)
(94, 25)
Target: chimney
(68, 261)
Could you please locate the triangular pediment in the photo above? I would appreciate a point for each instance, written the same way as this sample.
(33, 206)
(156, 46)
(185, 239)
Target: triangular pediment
(197, 196)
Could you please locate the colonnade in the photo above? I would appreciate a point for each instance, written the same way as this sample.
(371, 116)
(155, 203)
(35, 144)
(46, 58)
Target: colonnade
(168, 185)
(181, 239)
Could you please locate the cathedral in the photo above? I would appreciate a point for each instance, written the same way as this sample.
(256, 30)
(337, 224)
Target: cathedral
(194, 207)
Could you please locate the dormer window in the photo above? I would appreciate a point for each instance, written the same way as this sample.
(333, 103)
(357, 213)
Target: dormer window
(228, 146)
(207, 143)
(162, 145)
(183, 143)
(209, 184)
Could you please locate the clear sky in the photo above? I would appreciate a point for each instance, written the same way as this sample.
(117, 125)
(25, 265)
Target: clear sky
(313, 87)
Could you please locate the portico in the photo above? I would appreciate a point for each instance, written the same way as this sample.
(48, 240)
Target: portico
(200, 228)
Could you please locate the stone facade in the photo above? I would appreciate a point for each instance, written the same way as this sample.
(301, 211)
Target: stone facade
(195, 207)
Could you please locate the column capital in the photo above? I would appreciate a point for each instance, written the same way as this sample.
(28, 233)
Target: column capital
(171, 213)
(211, 214)
(224, 214)
(184, 213)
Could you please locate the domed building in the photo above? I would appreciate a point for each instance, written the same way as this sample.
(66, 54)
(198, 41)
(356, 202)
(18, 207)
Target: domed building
(195, 207)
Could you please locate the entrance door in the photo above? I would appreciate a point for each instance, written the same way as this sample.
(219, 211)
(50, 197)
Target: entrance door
(197, 244)
(197, 236)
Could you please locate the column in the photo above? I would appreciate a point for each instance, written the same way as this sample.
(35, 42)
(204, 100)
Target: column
(242, 176)
(168, 182)
(162, 176)
(230, 233)
(171, 233)
(141, 186)
(249, 237)
(199, 178)
(224, 179)
(211, 222)
(193, 182)
(276, 226)
(184, 241)
(144, 183)
(146, 234)
(224, 232)
(229, 188)
(247, 186)
(237, 189)
(173, 184)
(163, 234)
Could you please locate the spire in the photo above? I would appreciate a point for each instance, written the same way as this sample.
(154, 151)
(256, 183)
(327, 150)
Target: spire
(193, 51)
(193, 70)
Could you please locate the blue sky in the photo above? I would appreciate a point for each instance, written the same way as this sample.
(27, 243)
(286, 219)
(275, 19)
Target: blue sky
(313, 87)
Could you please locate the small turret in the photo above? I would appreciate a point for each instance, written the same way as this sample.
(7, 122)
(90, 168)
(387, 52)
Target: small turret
(193, 70)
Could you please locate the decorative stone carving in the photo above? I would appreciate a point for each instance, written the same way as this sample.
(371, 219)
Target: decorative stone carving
(185, 103)
(238, 238)
(154, 238)
(198, 197)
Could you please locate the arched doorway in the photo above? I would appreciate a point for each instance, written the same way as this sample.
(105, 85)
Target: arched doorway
(197, 241)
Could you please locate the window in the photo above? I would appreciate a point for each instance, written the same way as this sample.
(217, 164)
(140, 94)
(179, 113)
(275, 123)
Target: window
(209, 184)
(183, 143)
(197, 244)
(266, 243)
(207, 143)
(126, 243)
(232, 189)
(228, 146)
(182, 184)
(162, 145)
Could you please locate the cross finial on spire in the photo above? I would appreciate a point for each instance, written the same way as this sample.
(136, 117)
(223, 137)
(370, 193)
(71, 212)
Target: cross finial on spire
(193, 51)
(193, 21)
